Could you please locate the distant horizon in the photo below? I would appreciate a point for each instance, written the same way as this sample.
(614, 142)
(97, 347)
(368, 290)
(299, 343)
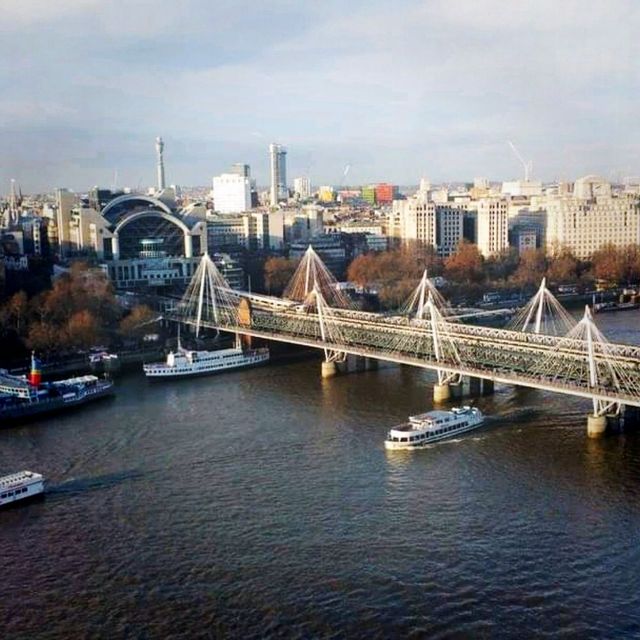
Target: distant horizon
(634, 180)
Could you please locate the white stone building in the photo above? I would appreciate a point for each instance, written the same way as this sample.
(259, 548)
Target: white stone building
(231, 193)
(492, 231)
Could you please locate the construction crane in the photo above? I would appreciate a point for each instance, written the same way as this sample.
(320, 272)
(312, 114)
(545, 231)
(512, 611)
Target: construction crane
(528, 166)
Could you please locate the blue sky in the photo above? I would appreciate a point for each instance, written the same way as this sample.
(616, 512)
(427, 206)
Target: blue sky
(397, 90)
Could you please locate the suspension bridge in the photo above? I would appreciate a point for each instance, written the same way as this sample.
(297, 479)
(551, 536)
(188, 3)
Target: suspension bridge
(543, 348)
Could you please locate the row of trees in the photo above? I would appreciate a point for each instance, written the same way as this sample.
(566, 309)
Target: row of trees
(78, 312)
(395, 272)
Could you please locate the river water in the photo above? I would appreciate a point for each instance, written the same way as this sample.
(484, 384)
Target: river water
(262, 503)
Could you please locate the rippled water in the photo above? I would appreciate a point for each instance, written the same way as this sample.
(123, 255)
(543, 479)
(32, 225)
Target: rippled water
(263, 504)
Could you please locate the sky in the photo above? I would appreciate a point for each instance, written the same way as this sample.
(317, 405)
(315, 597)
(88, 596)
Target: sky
(396, 90)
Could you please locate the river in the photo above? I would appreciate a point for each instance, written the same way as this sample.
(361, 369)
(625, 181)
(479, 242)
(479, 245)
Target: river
(262, 503)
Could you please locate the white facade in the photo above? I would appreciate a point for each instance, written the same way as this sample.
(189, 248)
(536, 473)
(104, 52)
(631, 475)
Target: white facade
(492, 226)
(429, 223)
(302, 186)
(267, 231)
(526, 188)
(413, 220)
(584, 226)
(591, 187)
(231, 193)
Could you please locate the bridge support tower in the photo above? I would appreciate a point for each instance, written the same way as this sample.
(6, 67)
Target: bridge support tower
(596, 425)
(475, 385)
(329, 369)
(456, 389)
(441, 392)
(487, 387)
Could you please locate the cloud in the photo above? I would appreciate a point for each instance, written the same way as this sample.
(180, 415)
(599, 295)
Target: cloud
(396, 90)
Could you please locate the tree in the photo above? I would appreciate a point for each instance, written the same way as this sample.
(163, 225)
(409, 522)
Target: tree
(83, 330)
(277, 273)
(44, 337)
(502, 266)
(609, 264)
(465, 265)
(531, 268)
(136, 324)
(563, 267)
(15, 311)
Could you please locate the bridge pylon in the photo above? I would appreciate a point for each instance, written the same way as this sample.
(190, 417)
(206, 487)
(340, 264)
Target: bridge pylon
(444, 350)
(208, 297)
(543, 314)
(310, 273)
(416, 304)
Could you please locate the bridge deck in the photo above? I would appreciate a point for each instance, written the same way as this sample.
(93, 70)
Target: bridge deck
(539, 361)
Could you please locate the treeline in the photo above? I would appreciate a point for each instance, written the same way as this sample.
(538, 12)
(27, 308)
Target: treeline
(395, 273)
(78, 312)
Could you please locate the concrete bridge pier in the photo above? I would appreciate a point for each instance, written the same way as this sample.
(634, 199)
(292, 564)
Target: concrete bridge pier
(596, 426)
(370, 364)
(487, 387)
(631, 418)
(456, 389)
(329, 369)
(441, 392)
(474, 386)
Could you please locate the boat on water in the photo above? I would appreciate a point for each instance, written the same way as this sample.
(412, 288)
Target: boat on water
(20, 486)
(23, 397)
(185, 363)
(433, 426)
(605, 307)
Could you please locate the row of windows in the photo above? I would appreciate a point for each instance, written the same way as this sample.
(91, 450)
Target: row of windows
(10, 494)
(429, 435)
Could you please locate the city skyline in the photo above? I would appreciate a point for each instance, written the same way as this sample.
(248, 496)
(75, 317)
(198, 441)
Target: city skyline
(434, 89)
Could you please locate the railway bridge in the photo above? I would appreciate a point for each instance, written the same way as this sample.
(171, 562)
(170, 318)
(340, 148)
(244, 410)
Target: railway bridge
(544, 347)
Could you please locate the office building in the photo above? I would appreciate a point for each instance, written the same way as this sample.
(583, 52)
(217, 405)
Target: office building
(241, 169)
(232, 193)
(429, 224)
(302, 187)
(369, 194)
(590, 218)
(492, 230)
(278, 162)
(385, 193)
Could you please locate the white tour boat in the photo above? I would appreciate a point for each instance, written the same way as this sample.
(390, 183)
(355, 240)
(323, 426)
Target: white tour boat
(184, 363)
(433, 426)
(20, 486)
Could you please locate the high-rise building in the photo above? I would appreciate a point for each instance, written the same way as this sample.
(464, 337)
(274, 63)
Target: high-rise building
(66, 200)
(241, 169)
(449, 227)
(492, 228)
(231, 193)
(160, 155)
(278, 161)
(302, 187)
